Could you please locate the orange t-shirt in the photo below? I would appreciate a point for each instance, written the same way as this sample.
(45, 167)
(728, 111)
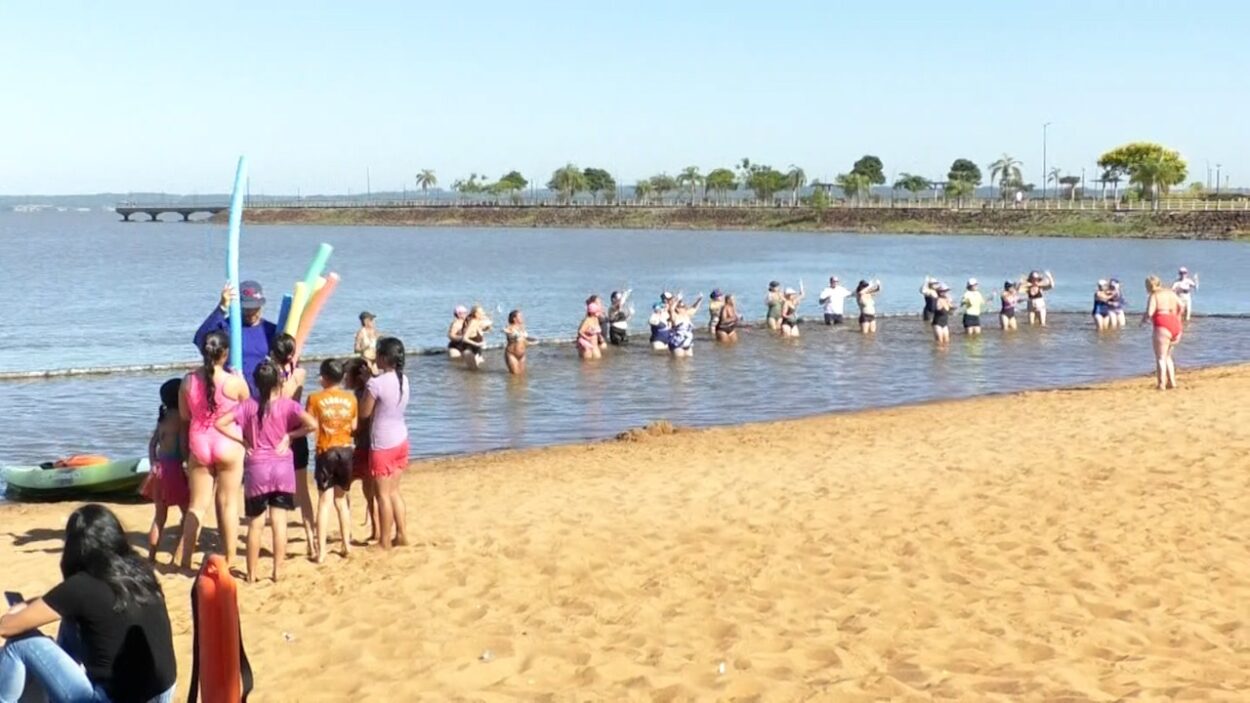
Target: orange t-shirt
(334, 410)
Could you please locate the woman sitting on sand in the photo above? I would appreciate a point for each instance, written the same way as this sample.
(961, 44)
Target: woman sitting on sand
(1010, 297)
(1163, 310)
(865, 294)
(517, 339)
(681, 339)
(790, 311)
(1035, 287)
(942, 307)
(115, 642)
(455, 333)
(590, 334)
(727, 321)
(473, 336)
(214, 461)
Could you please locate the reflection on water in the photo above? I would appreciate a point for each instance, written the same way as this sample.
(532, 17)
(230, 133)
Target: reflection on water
(564, 400)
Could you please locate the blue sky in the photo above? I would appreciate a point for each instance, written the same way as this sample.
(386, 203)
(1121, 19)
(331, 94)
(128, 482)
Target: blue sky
(164, 96)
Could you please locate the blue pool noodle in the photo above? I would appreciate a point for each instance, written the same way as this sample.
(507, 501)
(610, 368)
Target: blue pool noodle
(284, 311)
(232, 266)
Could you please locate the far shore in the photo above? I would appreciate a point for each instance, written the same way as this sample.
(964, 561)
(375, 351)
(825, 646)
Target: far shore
(1206, 225)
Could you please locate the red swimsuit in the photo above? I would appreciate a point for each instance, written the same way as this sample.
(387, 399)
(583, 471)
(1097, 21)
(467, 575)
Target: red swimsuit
(1169, 320)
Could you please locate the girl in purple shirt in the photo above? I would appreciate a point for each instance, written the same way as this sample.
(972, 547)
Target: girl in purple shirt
(268, 425)
(384, 403)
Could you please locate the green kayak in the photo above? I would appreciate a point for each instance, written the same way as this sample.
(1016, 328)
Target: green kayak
(115, 478)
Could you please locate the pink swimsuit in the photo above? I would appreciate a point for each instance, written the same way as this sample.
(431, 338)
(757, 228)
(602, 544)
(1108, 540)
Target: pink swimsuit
(208, 445)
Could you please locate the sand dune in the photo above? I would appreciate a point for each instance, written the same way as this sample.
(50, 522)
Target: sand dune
(1084, 544)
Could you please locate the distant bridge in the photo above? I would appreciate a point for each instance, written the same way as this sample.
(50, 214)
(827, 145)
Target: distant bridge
(155, 211)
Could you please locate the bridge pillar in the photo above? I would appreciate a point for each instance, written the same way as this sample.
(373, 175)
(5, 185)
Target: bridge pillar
(125, 217)
(155, 215)
(186, 215)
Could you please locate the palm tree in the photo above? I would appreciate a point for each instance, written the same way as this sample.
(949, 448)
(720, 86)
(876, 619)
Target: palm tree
(959, 189)
(854, 185)
(1005, 171)
(426, 180)
(642, 191)
(1054, 175)
(911, 183)
(662, 184)
(796, 179)
(567, 181)
(690, 178)
(720, 181)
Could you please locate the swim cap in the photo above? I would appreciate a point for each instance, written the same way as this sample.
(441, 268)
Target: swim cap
(666, 296)
(657, 307)
(972, 283)
(773, 284)
(460, 311)
(1183, 270)
(1102, 283)
(594, 309)
(1009, 284)
(716, 293)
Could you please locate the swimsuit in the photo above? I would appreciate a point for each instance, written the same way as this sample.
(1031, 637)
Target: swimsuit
(1100, 307)
(940, 317)
(513, 338)
(1037, 303)
(589, 339)
(1169, 320)
(682, 336)
(170, 480)
(660, 333)
(930, 308)
(724, 326)
(207, 444)
(774, 309)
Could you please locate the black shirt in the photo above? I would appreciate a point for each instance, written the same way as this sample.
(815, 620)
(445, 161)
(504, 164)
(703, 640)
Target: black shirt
(130, 654)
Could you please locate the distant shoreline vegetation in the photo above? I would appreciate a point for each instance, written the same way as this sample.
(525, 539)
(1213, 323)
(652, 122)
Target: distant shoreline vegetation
(1223, 224)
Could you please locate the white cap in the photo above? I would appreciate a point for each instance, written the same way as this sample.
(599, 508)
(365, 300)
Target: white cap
(1184, 270)
(790, 291)
(1102, 283)
(972, 282)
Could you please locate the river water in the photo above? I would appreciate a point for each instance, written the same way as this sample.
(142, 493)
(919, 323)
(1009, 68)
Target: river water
(86, 291)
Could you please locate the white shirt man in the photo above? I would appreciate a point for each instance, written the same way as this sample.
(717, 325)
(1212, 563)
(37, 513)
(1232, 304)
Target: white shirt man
(833, 300)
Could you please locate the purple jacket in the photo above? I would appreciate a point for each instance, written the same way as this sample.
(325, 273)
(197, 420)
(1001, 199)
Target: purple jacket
(256, 341)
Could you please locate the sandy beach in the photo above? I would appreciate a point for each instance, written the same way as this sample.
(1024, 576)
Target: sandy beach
(1080, 544)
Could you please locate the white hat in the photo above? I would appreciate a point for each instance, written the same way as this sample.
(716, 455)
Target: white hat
(790, 291)
(1184, 270)
(972, 282)
(1102, 283)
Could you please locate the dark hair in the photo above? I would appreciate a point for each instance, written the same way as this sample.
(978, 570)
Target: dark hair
(215, 347)
(512, 316)
(391, 349)
(594, 297)
(169, 397)
(354, 370)
(267, 378)
(332, 370)
(862, 286)
(282, 349)
(95, 544)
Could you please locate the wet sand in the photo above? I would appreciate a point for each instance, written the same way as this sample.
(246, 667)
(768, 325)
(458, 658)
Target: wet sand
(1080, 544)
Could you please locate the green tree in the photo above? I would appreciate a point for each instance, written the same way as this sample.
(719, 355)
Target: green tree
(511, 184)
(765, 181)
(599, 181)
(959, 189)
(663, 184)
(911, 183)
(796, 178)
(1071, 182)
(870, 166)
(854, 185)
(965, 171)
(690, 179)
(426, 180)
(720, 181)
(567, 181)
(819, 199)
(1005, 172)
(642, 191)
(471, 185)
(1152, 167)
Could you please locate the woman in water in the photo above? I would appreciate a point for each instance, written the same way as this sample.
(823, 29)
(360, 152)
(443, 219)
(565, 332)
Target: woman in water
(973, 303)
(681, 338)
(1115, 304)
(214, 461)
(367, 335)
(590, 334)
(269, 425)
(942, 307)
(455, 333)
(716, 301)
(1184, 288)
(929, 291)
(1101, 315)
(116, 643)
(618, 318)
(166, 456)
(1163, 310)
(774, 300)
(727, 321)
(473, 337)
(790, 311)
(1009, 298)
(386, 399)
(865, 294)
(602, 316)
(1035, 288)
(282, 352)
(517, 339)
(660, 331)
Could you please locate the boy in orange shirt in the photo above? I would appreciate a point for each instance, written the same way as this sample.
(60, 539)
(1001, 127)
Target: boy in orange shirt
(336, 411)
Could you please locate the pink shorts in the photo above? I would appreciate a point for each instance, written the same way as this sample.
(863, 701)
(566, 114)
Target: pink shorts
(209, 446)
(384, 463)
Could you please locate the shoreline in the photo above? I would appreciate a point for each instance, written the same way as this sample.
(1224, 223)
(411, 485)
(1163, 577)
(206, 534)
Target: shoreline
(1224, 225)
(1093, 552)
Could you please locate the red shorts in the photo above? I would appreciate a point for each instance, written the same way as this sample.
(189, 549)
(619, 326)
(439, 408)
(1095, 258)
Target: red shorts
(360, 464)
(388, 462)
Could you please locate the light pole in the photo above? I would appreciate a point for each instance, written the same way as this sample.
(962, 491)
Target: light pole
(1044, 126)
(1217, 181)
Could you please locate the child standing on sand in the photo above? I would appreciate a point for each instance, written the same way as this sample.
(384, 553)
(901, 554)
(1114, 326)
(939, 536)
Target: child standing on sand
(268, 424)
(165, 456)
(357, 374)
(386, 399)
(334, 409)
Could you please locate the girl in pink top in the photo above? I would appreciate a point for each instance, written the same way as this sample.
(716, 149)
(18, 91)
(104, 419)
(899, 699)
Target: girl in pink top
(214, 461)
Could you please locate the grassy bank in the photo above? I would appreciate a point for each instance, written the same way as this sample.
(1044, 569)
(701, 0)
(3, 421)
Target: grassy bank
(1223, 225)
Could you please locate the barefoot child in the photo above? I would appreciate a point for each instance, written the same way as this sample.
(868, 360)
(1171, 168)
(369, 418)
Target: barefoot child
(169, 483)
(334, 409)
(269, 424)
(386, 399)
(357, 374)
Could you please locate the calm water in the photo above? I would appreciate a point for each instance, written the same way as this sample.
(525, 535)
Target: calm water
(88, 291)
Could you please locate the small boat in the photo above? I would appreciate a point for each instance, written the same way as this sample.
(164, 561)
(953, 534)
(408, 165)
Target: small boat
(56, 481)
